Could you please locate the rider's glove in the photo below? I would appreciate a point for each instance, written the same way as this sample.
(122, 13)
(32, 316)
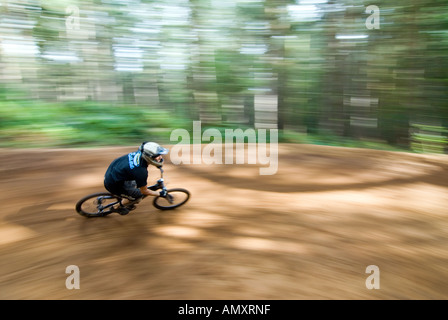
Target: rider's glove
(163, 193)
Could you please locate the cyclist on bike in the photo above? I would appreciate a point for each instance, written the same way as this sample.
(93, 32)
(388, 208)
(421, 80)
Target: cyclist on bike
(127, 175)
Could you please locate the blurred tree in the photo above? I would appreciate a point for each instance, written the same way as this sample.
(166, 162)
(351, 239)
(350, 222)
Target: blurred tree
(317, 67)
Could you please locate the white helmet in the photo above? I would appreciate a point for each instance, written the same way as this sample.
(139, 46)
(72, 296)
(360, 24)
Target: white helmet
(150, 151)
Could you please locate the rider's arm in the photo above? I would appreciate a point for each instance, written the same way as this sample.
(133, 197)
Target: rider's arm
(145, 191)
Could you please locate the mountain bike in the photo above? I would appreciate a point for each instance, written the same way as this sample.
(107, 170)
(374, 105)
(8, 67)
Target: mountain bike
(101, 204)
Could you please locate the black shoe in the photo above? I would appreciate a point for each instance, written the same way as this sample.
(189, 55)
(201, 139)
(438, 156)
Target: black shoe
(122, 211)
(131, 207)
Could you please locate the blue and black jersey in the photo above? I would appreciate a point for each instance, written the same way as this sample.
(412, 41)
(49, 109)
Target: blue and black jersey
(130, 167)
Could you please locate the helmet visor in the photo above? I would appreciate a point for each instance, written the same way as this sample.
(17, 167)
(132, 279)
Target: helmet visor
(162, 150)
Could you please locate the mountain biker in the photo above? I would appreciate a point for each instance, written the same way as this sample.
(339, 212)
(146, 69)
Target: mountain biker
(127, 175)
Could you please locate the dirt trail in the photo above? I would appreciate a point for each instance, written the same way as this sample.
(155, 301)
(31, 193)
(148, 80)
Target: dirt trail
(308, 232)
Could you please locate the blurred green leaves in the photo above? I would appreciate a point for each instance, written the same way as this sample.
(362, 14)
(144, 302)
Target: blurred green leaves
(30, 124)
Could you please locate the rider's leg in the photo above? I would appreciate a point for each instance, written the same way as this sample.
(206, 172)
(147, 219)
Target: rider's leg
(127, 194)
(134, 195)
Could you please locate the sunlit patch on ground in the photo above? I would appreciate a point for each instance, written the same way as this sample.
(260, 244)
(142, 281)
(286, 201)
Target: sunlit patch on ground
(13, 233)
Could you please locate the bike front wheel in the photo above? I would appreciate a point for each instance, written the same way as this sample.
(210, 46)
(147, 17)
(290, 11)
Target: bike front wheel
(97, 204)
(174, 199)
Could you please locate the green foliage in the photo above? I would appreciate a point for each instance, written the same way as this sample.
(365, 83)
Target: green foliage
(29, 124)
(329, 139)
(429, 139)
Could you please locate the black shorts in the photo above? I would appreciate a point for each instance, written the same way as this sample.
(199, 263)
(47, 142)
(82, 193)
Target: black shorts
(127, 189)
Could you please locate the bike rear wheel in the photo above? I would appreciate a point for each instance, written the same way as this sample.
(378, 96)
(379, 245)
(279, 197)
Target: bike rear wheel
(97, 204)
(174, 199)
